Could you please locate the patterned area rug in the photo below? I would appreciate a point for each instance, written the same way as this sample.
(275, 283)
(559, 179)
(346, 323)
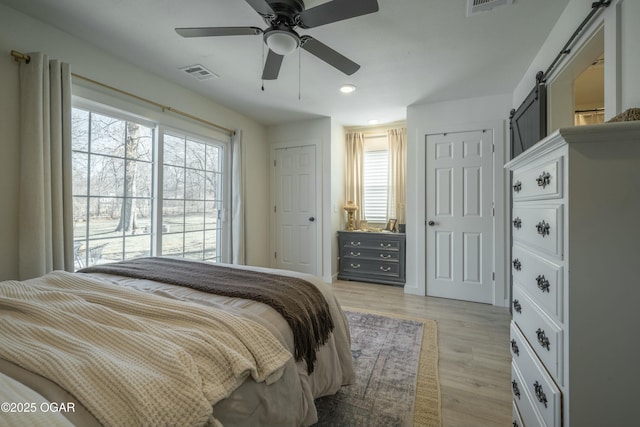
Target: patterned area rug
(396, 364)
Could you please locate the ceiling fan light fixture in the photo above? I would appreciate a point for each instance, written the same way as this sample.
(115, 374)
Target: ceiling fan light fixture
(282, 42)
(347, 88)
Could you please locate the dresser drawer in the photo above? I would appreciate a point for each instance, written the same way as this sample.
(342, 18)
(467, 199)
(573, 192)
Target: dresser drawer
(540, 278)
(372, 254)
(528, 414)
(369, 267)
(539, 181)
(371, 241)
(539, 226)
(544, 336)
(544, 393)
(517, 420)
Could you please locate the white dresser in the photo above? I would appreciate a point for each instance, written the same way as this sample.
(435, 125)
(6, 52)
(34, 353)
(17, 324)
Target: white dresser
(575, 262)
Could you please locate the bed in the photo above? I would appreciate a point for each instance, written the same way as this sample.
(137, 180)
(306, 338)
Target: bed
(123, 350)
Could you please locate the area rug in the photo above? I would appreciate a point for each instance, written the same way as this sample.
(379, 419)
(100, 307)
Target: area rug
(396, 364)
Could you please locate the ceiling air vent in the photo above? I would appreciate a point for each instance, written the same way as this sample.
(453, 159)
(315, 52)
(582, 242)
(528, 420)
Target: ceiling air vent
(477, 6)
(199, 72)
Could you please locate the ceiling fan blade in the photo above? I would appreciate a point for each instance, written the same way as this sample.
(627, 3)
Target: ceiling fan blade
(328, 55)
(262, 7)
(272, 66)
(336, 10)
(218, 31)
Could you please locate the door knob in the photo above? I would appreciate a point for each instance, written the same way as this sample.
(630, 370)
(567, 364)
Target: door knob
(431, 223)
(312, 219)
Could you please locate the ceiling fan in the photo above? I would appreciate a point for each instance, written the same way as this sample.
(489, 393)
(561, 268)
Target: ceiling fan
(283, 16)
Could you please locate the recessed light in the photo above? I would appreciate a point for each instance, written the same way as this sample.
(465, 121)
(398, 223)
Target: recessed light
(373, 121)
(347, 88)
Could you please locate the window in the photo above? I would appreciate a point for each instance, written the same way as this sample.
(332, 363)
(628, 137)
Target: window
(191, 200)
(139, 190)
(376, 181)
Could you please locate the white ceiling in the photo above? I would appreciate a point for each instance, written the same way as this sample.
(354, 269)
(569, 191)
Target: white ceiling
(410, 51)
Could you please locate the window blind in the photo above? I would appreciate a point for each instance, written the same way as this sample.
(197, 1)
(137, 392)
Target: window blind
(376, 184)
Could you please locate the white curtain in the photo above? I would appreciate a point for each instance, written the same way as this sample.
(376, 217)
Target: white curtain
(355, 171)
(237, 200)
(396, 196)
(45, 225)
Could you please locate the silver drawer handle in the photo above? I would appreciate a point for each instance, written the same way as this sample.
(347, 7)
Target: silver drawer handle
(355, 265)
(542, 398)
(385, 256)
(385, 269)
(517, 306)
(355, 254)
(517, 187)
(543, 228)
(516, 389)
(385, 245)
(514, 348)
(355, 243)
(543, 283)
(544, 179)
(517, 223)
(543, 340)
(517, 264)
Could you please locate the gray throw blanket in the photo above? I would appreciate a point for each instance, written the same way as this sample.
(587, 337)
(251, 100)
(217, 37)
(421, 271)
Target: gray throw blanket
(301, 304)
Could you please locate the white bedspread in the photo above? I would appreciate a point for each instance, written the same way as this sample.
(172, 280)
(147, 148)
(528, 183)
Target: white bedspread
(130, 357)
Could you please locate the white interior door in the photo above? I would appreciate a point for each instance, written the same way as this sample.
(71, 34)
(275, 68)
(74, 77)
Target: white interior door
(295, 209)
(459, 216)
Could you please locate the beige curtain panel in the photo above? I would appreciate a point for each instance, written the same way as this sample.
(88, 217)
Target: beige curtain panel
(355, 172)
(396, 196)
(46, 227)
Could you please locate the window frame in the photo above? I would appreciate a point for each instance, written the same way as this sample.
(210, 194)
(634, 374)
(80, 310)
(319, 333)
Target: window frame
(177, 127)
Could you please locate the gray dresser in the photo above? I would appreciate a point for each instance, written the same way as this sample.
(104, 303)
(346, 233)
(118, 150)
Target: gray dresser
(372, 257)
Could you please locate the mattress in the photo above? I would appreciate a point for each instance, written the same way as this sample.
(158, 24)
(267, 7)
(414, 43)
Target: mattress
(286, 402)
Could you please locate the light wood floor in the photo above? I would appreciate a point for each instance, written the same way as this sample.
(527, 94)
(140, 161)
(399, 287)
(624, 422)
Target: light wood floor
(473, 342)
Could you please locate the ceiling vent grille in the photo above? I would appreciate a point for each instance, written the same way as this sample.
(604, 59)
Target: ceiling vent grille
(199, 72)
(478, 6)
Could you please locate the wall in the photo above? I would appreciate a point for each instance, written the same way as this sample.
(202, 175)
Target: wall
(622, 63)
(431, 118)
(328, 136)
(24, 34)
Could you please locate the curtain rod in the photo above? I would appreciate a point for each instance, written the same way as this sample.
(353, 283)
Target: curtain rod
(18, 56)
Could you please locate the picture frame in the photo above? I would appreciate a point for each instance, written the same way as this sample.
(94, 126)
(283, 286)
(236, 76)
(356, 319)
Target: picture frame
(391, 225)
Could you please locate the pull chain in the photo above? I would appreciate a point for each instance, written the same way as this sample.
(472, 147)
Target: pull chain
(299, 71)
(262, 44)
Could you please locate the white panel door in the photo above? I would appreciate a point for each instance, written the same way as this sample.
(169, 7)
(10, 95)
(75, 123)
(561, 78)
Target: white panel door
(295, 209)
(459, 216)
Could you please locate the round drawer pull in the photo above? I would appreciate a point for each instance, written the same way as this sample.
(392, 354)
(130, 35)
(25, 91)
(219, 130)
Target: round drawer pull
(385, 269)
(542, 398)
(356, 266)
(517, 223)
(516, 389)
(544, 179)
(514, 348)
(543, 283)
(517, 264)
(517, 187)
(543, 340)
(543, 228)
(516, 306)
